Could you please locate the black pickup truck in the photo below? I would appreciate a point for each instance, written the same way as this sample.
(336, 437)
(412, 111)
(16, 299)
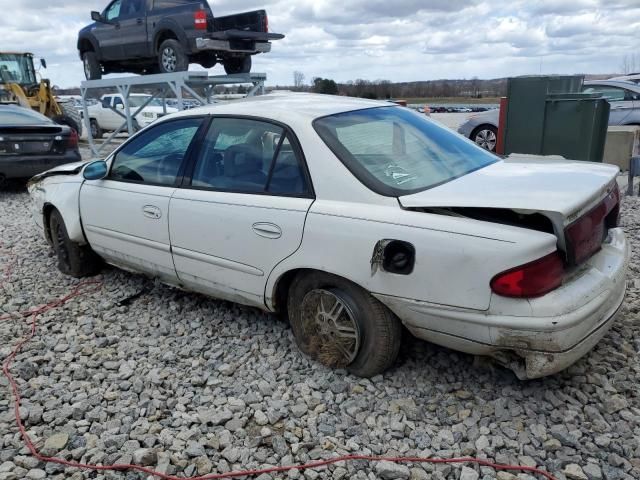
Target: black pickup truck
(165, 36)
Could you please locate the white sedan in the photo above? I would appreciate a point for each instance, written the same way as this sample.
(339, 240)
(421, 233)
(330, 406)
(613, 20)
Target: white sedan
(353, 218)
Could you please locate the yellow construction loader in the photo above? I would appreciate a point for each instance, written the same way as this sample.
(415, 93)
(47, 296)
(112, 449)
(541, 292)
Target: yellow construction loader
(19, 85)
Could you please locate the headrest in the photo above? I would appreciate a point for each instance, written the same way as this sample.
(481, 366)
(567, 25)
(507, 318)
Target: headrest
(241, 160)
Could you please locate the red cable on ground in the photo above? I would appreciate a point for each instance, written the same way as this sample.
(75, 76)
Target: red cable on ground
(93, 286)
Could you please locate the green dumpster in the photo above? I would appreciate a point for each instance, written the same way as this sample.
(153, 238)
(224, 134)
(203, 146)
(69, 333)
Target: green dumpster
(549, 116)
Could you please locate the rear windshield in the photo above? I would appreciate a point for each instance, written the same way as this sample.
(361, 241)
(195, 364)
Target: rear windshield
(395, 151)
(20, 116)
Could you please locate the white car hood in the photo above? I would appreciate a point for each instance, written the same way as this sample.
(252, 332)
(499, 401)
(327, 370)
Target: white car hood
(524, 183)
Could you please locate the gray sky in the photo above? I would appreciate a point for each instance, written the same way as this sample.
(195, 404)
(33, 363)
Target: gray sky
(398, 40)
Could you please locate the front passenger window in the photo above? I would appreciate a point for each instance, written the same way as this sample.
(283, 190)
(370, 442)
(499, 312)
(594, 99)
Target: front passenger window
(155, 156)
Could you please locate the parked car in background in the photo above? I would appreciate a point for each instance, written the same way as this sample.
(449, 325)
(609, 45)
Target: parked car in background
(632, 77)
(108, 114)
(354, 217)
(624, 98)
(165, 36)
(30, 143)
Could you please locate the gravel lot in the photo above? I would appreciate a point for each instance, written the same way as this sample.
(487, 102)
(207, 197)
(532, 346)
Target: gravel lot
(190, 385)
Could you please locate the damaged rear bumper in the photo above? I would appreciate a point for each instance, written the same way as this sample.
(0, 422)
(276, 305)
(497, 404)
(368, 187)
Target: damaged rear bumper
(535, 337)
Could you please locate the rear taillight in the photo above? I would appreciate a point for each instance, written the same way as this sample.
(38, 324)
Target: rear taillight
(200, 19)
(532, 279)
(585, 235)
(265, 23)
(73, 139)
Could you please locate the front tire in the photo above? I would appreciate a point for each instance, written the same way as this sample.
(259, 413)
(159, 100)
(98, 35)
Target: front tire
(92, 68)
(70, 117)
(172, 57)
(96, 131)
(75, 260)
(486, 136)
(237, 65)
(341, 325)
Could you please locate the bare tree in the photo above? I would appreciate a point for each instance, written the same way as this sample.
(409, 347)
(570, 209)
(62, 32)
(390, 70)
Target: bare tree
(298, 79)
(630, 63)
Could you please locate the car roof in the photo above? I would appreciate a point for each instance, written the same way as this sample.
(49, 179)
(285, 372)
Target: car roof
(287, 106)
(614, 83)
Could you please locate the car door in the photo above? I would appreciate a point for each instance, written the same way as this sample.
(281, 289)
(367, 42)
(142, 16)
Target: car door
(107, 33)
(241, 210)
(110, 120)
(133, 29)
(620, 101)
(126, 215)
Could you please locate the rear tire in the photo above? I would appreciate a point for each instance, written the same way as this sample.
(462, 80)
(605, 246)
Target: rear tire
(237, 65)
(92, 68)
(172, 57)
(75, 260)
(340, 325)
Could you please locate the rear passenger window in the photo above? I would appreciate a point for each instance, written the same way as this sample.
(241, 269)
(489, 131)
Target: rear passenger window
(287, 176)
(249, 156)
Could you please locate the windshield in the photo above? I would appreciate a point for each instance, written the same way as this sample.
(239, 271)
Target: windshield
(395, 151)
(17, 68)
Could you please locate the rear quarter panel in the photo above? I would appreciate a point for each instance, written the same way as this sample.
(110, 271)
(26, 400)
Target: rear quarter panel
(455, 258)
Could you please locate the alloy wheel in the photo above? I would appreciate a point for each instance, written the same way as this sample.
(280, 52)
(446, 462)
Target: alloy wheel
(330, 328)
(87, 67)
(486, 139)
(169, 59)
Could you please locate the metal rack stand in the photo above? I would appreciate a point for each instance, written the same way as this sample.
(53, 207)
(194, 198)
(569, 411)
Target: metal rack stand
(178, 83)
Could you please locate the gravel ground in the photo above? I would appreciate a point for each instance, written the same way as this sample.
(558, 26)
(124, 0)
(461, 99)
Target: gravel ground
(189, 385)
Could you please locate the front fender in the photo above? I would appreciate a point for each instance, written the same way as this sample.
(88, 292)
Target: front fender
(64, 196)
(83, 38)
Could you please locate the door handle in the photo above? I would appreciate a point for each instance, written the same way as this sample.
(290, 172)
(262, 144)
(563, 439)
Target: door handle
(151, 211)
(267, 230)
(139, 21)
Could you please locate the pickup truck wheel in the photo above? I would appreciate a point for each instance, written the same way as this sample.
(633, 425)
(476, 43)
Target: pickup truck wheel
(92, 68)
(75, 260)
(342, 326)
(96, 131)
(172, 58)
(237, 65)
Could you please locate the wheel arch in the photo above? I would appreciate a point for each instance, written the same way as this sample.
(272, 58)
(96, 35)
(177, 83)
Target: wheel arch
(65, 199)
(483, 126)
(88, 44)
(278, 286)
(168, 31)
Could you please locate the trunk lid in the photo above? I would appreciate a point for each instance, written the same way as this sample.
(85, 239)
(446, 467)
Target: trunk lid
(527, 184)
(563, 191)
(32, 140)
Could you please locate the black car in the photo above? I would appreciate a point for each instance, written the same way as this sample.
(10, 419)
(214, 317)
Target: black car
(30, 143)
(164, 36)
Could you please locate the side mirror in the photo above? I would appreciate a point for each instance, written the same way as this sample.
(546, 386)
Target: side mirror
(120, 106)
(97, 17)
(95, 170)
(43, 62)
